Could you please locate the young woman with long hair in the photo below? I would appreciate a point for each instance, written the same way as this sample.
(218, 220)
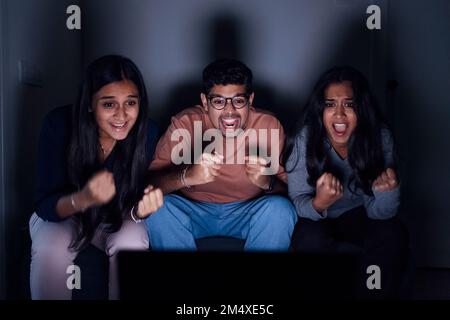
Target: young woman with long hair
(343, 179)
(91, 178)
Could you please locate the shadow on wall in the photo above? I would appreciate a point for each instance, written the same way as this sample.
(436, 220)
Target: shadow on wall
(422, 118)
(224, 39)
(420, 137)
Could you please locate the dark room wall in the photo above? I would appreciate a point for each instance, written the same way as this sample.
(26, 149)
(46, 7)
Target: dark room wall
(287, 44)
(419, 62)
(34, 35)
(2, 185)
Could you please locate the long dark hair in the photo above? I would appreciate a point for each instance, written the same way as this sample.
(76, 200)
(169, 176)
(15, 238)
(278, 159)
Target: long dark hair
(365, 151)
(129, 155)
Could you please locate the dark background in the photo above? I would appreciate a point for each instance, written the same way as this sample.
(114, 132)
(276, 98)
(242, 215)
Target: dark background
(287, 44)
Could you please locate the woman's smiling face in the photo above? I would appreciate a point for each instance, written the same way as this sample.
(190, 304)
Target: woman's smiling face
(339, 118)
(116, 108)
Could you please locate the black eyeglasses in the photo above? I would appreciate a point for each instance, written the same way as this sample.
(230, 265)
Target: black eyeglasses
(219, 103)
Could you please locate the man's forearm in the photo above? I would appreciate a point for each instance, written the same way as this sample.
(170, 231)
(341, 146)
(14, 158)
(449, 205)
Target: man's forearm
(168, 180)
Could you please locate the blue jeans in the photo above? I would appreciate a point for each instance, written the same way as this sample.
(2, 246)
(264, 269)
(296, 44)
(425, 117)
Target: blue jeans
(266, 223)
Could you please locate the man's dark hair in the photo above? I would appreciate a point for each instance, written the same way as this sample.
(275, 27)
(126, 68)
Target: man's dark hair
(225, 72)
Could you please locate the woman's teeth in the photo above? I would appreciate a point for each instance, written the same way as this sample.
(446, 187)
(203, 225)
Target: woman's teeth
(340, 127)
(118, 126)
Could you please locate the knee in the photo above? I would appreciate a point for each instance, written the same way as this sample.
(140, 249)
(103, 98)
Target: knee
(279, 212)
(168, 214)
(51, 241)
(131, 236)
(47, 249)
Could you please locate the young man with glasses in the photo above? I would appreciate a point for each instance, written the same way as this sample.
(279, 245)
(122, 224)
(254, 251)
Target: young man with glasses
(227, 188)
